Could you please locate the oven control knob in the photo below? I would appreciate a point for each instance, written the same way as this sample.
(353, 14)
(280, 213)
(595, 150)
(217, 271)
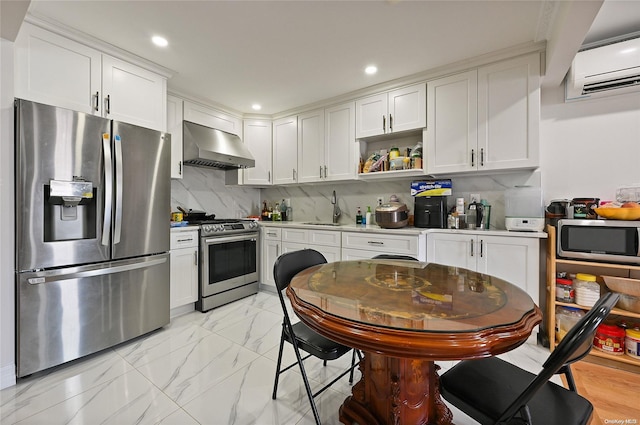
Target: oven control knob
(219, 228)
(206, 228)
(253, 225)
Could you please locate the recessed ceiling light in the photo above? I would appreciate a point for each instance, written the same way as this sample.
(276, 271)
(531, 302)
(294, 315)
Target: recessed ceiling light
(371, 69)
(159, 41)
(256, 107)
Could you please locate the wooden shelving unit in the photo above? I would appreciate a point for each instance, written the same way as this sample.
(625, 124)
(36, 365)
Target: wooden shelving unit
(555, 265)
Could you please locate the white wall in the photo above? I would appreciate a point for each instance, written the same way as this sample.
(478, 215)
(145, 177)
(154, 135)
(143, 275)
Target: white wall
(7, 321)
(589, 148)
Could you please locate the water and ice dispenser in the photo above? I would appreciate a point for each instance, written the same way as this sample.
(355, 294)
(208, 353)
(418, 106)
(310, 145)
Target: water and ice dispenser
(69, 210)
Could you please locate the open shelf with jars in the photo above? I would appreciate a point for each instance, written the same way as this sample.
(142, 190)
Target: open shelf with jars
(555, 265)
(402, 142)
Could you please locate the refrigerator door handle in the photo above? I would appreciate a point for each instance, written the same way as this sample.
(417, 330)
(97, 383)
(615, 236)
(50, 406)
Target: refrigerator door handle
(57, 275)
(118, 207)
(108, 192)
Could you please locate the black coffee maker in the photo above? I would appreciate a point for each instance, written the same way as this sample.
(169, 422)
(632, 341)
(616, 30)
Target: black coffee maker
(430, 212)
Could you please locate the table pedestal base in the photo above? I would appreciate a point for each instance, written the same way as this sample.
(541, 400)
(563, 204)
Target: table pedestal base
(394, 391)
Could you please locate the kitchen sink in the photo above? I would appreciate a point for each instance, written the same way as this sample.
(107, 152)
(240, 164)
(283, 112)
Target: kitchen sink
(320, 223)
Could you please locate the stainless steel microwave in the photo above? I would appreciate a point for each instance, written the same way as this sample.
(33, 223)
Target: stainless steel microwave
(613, 241)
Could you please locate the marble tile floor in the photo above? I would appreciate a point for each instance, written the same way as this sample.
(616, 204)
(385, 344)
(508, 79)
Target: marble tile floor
(203, 368)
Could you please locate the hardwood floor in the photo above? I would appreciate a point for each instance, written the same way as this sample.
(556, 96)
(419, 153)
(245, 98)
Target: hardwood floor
(613, 392)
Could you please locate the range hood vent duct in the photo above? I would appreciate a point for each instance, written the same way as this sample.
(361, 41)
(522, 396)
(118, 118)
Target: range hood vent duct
(213, 148)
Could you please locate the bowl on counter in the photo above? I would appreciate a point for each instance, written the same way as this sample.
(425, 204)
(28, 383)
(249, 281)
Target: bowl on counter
(623, 285)
(618, 213)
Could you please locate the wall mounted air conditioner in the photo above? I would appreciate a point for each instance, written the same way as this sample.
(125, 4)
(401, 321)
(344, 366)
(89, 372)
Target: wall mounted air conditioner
(605, 71)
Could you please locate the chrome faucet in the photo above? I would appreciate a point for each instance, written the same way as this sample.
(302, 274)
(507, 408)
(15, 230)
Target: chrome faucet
(336, 208)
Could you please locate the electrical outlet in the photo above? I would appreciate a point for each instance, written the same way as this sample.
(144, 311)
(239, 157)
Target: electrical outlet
(474, 197)
(380, 200)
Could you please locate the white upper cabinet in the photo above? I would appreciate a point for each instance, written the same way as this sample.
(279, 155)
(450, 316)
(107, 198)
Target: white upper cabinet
(174, 126)
(485, 119)
(132, 94)
(311, 146)
(257, 137)
(326, 144)
(212, 118)
(58, 71)
(340, 142)
(451, 135)
(54, 70)
(394, 111)
(285, 150)
(509, 113)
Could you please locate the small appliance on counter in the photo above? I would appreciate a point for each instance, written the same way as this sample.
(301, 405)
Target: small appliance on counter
(478, 215)
(557, 210)
(430, 203)
(392, 215)
(524, 210)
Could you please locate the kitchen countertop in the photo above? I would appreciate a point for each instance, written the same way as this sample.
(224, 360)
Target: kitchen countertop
(408, 230)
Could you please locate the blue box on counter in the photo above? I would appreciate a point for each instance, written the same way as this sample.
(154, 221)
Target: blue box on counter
(431, 188)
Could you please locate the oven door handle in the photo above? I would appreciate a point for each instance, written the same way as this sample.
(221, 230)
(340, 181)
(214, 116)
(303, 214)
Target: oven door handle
(213, 241)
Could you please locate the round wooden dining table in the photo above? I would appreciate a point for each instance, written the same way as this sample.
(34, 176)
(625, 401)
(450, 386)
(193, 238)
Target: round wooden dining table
(404, 316)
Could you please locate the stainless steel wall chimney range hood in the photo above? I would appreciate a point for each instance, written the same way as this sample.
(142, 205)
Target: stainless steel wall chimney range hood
(213, 148)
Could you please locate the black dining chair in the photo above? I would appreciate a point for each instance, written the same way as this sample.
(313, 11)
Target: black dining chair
(493, 391)
(299, 335)
(393, 257)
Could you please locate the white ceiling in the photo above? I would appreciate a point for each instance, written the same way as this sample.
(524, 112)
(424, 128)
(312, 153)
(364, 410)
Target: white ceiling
(285, 54)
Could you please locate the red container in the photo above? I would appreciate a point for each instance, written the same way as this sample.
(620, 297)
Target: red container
(610, 339)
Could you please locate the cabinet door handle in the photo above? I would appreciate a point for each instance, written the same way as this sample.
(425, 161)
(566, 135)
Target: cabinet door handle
(195, 258)
(108, 104)
(97, 102)
(473, 157)
(384, 124)
(471, 247)
(269, 176)
(375, 243)
(294, 174)
(325, 171)
(321, 171)
(482, 157)
(180, 167)
(481, 248)
(390, 122)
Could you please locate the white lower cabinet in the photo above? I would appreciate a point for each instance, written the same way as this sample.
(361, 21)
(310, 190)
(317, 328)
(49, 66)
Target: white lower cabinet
(184, 267)
(511, 258)
(271, 248)
(326, 242)
(365, 245)
(276, 241)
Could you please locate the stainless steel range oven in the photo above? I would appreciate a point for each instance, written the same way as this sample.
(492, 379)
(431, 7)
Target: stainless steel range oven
(228, 262)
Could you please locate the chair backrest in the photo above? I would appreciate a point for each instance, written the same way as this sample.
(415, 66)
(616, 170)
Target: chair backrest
(291, 263)
(393, 257)
(576, 344)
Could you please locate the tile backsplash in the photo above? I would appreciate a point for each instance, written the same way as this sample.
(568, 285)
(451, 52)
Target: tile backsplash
(205, 189)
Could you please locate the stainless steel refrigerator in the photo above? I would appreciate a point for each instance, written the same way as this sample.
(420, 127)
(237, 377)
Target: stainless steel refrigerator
(92, 234)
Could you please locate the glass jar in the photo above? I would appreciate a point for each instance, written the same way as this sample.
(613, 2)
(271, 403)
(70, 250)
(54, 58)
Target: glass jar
(564, 290)
(586, 289)
(566, 318)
